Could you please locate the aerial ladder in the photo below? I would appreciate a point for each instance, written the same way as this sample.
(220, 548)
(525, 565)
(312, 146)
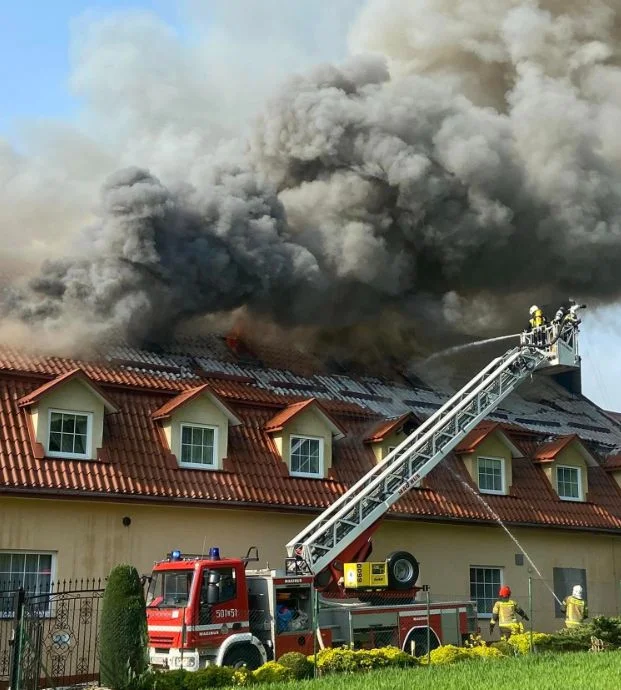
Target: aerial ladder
(342, 532)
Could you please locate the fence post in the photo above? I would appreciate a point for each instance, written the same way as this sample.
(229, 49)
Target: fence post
(530, 611)
(16, 640)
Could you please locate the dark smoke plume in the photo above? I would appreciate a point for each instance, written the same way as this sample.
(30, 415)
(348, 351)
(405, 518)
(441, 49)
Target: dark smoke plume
(450, 185)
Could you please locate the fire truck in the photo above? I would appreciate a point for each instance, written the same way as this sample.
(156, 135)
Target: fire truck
(210, 609)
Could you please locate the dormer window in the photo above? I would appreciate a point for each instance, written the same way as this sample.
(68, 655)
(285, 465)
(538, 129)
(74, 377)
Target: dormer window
(491, 475)
(565, 461)
(199, 443)
(488, 454)
(569, 483)
(306, 454)
(65, 418)
(70, 434)
(194, 425)
(302, 434)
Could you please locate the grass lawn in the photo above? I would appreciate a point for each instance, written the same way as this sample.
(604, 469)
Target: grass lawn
(570, 671)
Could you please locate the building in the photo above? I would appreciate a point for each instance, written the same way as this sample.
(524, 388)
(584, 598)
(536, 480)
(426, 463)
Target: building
(128, 457)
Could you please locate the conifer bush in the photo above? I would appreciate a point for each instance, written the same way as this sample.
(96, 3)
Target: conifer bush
(123, 629)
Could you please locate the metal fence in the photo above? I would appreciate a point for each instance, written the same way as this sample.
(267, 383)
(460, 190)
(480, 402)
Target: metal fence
(49, 639)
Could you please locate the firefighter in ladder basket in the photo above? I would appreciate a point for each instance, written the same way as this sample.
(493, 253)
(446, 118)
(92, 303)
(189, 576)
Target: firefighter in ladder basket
(537, 325)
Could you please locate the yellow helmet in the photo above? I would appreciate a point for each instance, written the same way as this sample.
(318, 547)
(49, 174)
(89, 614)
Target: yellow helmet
(533, 309)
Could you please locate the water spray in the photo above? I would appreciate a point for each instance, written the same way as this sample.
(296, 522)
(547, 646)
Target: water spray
(498, 519)
(466, 346)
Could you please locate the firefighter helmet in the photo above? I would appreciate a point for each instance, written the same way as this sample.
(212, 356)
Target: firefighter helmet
(533, 309)
(504, 591)
(577, 592)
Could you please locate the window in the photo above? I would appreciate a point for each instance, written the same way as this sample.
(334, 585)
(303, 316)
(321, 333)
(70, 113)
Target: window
(568, 483)
(32, 571)
(564, 580)
(307, 456)
(70, 434)
(170, 589)
(198, 445)
(484, 585)
(491, 474)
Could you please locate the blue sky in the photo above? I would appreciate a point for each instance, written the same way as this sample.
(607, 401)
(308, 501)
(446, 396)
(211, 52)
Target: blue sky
(36, 42)
(34, 54)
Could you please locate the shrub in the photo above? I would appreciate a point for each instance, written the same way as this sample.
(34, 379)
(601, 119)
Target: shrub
(396, 657)
(123, 629)
(339, 660)
(272, 672)
(570, 640)
(210, 677)
(522, 642)
(484, 652)
(606, 629)
(299, 665)
(243, 677)
(504, 648)
(446, 654)
(169, 680)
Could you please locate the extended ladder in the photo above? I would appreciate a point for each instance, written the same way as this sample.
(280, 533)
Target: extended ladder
(366, 501)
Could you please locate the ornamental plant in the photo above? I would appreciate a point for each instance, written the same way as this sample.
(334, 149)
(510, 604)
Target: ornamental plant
(123, 629)
(299, 665)
(272, 672)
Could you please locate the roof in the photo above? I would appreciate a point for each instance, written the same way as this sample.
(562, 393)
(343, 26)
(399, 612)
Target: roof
(549, 451)
(282, 418)
(76, 374)
(167, 409)
(387, 427)
(138, 465)
(484, 430)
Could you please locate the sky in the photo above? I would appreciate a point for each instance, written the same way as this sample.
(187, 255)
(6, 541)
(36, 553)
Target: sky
(62, 76)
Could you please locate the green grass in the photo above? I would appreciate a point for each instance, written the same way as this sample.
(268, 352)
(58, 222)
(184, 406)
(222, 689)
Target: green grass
(577, 671)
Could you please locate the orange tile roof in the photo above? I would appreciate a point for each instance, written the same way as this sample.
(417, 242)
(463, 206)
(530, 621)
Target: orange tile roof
(547, 452)
(387, 427)
(73, 375)
(280, 420)
(472, 440)
(178, 401)
(613, 463)
(138, 465)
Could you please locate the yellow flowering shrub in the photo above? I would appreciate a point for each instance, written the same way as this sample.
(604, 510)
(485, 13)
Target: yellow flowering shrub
(475, 641)
(521, 642)
(484, 652)
(242, 677)
(446, 654)
(272, 672)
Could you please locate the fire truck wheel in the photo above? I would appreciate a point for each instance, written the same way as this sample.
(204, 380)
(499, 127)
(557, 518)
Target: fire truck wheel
(402, 570)
(243, 655)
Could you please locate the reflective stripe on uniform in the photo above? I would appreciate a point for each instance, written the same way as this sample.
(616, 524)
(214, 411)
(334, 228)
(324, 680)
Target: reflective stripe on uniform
(505, 610)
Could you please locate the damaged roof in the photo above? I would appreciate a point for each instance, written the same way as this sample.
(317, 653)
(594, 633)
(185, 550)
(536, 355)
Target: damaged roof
(137, 465)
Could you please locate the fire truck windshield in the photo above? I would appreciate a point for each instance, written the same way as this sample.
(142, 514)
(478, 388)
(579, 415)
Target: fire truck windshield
(169, 589)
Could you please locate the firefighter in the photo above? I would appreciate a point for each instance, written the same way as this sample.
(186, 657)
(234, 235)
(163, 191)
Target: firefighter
(575, 608)
(505, 613)
(537, 323)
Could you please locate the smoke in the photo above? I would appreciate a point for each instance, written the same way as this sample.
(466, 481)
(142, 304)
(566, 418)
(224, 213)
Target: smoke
(462, 164)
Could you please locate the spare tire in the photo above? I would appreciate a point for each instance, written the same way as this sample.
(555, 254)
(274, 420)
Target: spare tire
(403, 570)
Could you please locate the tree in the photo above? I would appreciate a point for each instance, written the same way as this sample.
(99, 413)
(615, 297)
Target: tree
(123, 629)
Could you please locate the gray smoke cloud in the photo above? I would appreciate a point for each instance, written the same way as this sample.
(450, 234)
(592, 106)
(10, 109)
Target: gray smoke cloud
(463, 164)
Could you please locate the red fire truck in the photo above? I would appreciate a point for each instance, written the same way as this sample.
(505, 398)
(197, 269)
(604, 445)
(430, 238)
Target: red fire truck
(214, 610)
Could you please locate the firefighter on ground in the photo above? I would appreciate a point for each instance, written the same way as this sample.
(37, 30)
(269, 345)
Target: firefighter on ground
(575, 608)
(505, 613)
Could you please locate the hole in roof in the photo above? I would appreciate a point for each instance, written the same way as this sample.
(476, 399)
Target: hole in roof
(538, 422)
(588, 427)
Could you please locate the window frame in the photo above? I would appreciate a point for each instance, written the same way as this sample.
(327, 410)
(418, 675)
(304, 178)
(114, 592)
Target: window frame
(503, 475)
(48, 612)
(215, 455)
(304, 437)
(578, 470)
(500, 569)
(89, 435)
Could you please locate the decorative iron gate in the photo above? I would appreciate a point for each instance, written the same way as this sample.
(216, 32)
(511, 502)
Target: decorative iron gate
(54, 639)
